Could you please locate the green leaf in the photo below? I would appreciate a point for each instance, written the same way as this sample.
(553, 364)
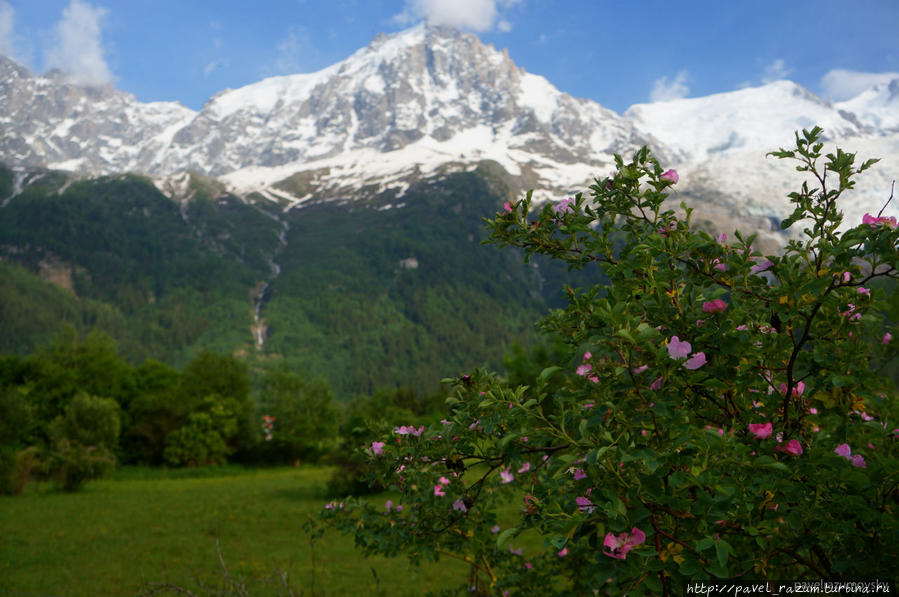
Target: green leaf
(653, 584)
(626, 335)
(689, 566)
(507, 438)
(718, 569)
(505, 536)
(547, 373)
(777, 466)
(722, 550)
(558, 541)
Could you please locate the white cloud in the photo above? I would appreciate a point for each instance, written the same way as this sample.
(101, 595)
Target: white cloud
(77, 47)
(213, 66)
(478, 15)
(840, 85)
(776, 71)
(663, 90)
(293, 53)
(7, 15)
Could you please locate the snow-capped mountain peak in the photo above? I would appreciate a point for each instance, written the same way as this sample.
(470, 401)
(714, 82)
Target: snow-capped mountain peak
(432, 94)
(876, 107)
(753, 119)
(426, 100)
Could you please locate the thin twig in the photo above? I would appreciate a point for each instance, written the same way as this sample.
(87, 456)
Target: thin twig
(892, 188)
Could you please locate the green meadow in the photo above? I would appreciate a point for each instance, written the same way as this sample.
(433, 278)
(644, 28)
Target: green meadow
(146, 528)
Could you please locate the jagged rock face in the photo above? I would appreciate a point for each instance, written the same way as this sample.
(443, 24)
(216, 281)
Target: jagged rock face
(424, 83)
(426, 100)
(51, 121)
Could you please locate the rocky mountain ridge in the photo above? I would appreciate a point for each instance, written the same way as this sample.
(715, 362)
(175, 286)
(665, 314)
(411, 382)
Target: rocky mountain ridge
(429, 100)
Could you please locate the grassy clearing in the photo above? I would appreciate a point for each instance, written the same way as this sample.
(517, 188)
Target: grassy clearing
(145, 526)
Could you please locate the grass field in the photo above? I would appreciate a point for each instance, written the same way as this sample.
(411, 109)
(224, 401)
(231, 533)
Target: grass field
(150, 527)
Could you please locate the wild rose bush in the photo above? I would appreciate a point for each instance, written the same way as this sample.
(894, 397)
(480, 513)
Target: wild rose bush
(720, 417)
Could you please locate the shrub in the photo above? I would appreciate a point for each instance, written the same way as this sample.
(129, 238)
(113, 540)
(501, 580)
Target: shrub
(81, 442)
(716, 416)
(203, 440)
(71, 464)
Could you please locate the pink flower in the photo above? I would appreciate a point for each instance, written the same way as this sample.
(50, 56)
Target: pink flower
(715, 306)
(563, 552)
(584, 504)
(696, 361)
(640, 369)
(671, 176)
(377, 447)
(761, 430)
(623, 543)
(563, 207)
(525, 467)
(579, 474)
(678, 349)
(719, 266)
(859, 461)
(846, 277)
(793, 448)
(587, 356)
(813, 411)
(760, 267)
(388, 505)
(438, 491)
(844, 450)
(410, 430)
(865, 416)
(864, 291)
(584, 369)
(460, 506)
(797, 391)
(656, 384)
(875, 222)
(443, 481)
(506, 476)
(495, 529)
(887, 337)
(508, 207)
(722, 238)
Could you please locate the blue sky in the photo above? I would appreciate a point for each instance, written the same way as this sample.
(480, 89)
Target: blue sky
(616, 53)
